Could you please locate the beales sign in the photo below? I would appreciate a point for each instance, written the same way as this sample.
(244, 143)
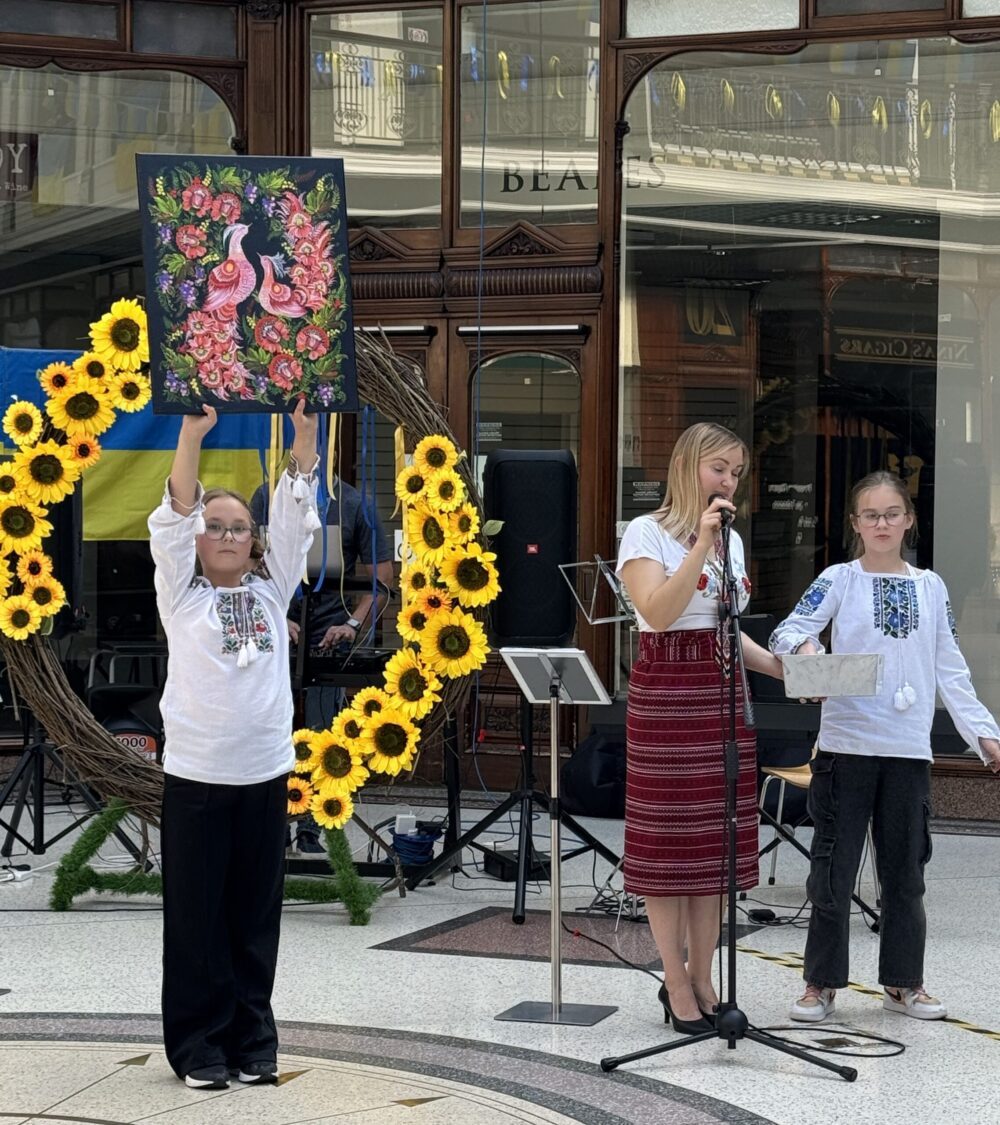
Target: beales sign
(18, 163)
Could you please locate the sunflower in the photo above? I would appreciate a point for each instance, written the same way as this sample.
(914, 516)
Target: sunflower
(430, 601)
(22, 423)
(120, 336)
(445, 491)
(347, 728)
(369, 701)
(300, 795)
(463, 523)
(8, 482)
(454, 643)
(91, 365)
(471, 576)
(412, 683)
(302, 743)
(410, 485)
(435, 453)
(56, 377)
(19, 617)
(427, 534)
(48, 595)
(413, 581)
(411, 622)
(33, 566)
(82, 409)
(84, 451)
(130, 392)
(337, 764)
(391, 741)
(331, 808)
(46, 472)
(22, 526)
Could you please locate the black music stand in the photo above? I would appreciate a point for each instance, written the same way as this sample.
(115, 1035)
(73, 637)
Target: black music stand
(555, 676)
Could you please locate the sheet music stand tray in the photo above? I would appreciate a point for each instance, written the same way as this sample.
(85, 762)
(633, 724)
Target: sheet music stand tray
(555, 676)
(589, 575)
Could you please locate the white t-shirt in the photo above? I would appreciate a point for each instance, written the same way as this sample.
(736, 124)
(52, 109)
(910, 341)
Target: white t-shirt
(908, 619)
(225, 724)
(644, 538)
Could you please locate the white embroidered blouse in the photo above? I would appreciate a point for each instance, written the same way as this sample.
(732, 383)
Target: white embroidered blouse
(644, 538)
(907, 618)
(227, 717)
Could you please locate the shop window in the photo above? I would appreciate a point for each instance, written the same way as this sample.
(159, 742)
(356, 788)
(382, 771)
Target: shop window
(64, 19)
(680, 17)
(973, 8)
(826, 9)
(808, 258)
(530, 80)
(375, 89)
(196, 30)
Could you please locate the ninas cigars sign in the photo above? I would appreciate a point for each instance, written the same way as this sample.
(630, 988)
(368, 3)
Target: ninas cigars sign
(862, 345)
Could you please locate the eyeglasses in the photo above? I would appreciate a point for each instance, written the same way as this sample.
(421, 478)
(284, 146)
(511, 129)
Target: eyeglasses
(240, 532)
(893, 517)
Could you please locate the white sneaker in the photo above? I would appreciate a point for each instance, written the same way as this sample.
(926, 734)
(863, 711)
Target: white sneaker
(914, 1002)
(814, 1005)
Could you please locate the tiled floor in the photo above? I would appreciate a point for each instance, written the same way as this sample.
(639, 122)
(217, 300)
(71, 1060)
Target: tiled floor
(395, 1021)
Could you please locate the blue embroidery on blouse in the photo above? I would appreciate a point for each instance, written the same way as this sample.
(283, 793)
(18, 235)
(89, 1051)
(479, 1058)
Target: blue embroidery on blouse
(242, 617)
(950, 614)
(812, 599)
(897, 613)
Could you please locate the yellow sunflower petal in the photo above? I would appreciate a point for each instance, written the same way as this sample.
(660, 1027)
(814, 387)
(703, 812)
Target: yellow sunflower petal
(464, 523)
(453, 643)
(82, 409)
(48, 595)
(430, 601)
(302, 742)
(84, 451)
(391, 741)
(19, 617)
(369, 701)
(410, 485)
(130, 392)
(427, 535)
(414, 580)
(337, 762)
(23, 526)
(470, 575)
(91, 365)
(412, 684)
(56, 377)
(445, 491)
(46, 472)
(120, 336)
(33, 566)
(22, 423)
(300, 795)
(332, 808)
(434, 453)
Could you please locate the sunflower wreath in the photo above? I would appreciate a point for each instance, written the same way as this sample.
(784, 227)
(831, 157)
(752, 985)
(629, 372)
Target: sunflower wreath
(447, 577)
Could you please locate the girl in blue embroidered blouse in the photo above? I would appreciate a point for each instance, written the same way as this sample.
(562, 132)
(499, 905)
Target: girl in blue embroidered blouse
(873, 756)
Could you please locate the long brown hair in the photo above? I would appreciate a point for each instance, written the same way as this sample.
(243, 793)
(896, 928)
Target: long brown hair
(683, 502)
(881, 478)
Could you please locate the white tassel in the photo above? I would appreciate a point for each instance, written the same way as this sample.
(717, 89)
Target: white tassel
(300, 488)
(909, 695)
(311, 522)
(904, 698)
(199, 524)
(252, 651)
(244, 657)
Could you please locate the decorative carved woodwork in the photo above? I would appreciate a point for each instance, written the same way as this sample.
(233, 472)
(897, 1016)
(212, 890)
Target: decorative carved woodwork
(403, 285)
(527, 281)
(264, 9)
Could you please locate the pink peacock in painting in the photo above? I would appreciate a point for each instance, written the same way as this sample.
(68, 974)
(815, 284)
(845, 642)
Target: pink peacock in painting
(250, 282)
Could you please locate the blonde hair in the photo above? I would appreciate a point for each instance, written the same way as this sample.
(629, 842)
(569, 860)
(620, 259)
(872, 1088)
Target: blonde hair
(683, 503)
(879, 479)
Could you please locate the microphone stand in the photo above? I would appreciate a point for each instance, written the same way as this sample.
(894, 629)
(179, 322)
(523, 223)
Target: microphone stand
(731, 1024)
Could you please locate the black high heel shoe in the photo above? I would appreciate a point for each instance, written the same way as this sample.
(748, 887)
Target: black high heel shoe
(683, 1027)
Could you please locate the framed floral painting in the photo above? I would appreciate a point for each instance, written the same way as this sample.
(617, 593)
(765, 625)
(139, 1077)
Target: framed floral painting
(248, 293)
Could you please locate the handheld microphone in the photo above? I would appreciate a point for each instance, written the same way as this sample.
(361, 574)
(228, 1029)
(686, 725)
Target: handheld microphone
(725, 513)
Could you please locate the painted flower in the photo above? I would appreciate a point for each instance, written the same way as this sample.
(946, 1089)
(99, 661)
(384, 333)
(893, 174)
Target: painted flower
(313, 341)
(19, 617)
(22, 423)
(120, 336)
(196, 197)
(46, 472)
(454, 643)
(226, 206)
(284, 370)
(191, 241)
(271, 332)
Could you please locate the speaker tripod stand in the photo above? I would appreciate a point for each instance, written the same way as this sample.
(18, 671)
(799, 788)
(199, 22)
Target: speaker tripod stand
(26, 785)
(525, 798)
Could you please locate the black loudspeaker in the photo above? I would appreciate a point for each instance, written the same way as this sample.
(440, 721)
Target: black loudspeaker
(65, 547)
(534, 493)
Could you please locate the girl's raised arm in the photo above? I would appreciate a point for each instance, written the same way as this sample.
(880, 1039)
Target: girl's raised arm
(184, 470)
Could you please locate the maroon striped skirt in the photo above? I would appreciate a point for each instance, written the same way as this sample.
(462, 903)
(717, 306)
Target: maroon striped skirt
(675, 795)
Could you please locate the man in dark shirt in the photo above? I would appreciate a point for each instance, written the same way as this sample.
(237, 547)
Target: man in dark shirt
(331, 623)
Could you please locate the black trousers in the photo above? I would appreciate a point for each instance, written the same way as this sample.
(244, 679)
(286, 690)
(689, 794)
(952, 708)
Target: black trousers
(222, 852)
(847, 791)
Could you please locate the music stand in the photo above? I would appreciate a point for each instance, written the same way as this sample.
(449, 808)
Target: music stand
(588, 574)
(555, 676)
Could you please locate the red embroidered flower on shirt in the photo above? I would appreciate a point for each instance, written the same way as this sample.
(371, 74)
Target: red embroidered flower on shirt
(746, 584)
(703, 582)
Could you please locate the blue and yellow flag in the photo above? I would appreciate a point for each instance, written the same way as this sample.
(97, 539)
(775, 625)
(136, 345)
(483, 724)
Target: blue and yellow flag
(126, 484)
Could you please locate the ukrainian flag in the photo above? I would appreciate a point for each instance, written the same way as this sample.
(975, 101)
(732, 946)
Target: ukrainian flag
(126, 484)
